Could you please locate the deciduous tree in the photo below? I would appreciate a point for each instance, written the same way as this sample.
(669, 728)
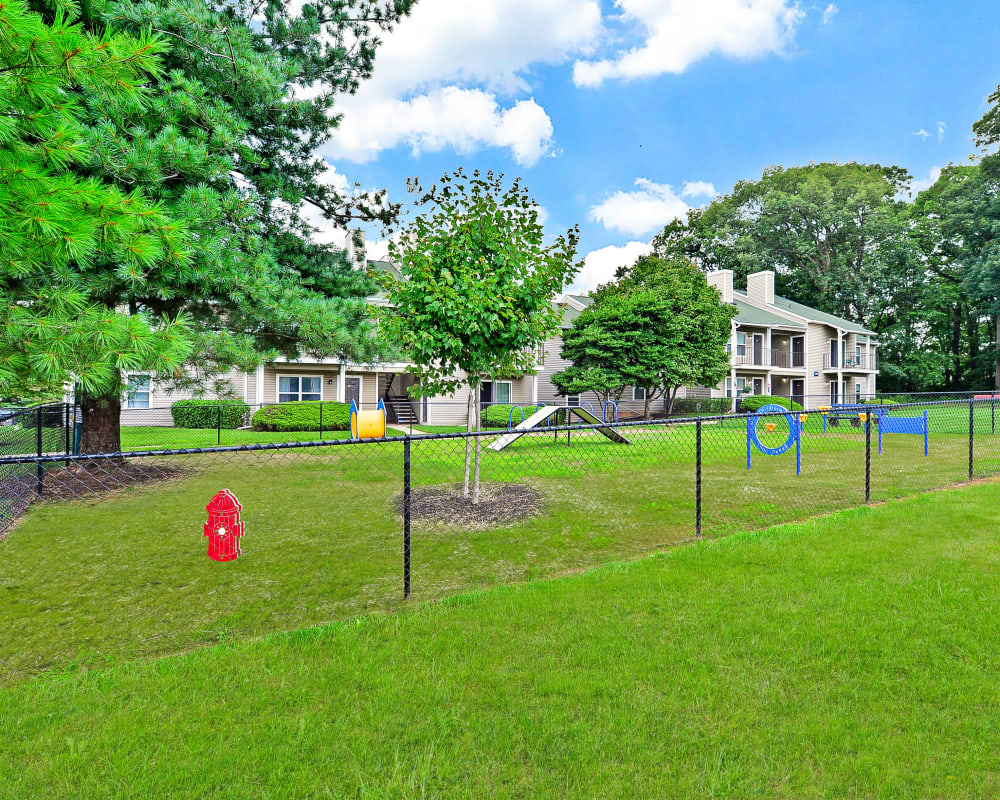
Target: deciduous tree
(475, 298)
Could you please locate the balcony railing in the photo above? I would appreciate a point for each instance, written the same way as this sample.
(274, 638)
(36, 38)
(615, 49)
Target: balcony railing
(855, 361)
(748, 356)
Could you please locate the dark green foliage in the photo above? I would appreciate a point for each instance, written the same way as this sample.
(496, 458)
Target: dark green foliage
(497, 416)
(702, 406)
(658, 326)
(52, 417)
(303, 416)
(196, 413)
(757, 401)
(882, 401)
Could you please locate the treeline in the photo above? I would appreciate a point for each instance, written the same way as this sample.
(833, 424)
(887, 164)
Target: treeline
(851, 240)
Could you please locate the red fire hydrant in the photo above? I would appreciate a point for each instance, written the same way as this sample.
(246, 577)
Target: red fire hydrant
(224, 528)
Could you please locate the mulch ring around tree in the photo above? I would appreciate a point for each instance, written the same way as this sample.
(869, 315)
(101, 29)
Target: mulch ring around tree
(89, 480)
(499, 504)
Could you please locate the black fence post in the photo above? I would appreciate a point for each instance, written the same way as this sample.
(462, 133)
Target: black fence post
(406, 518)
(993, 412)
(972, 423)
(321, 420)
(697, 479)
(218, 427)
(39, 469)
(69, 437)
(868, 458)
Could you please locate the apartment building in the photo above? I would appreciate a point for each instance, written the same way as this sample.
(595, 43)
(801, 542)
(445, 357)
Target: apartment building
(780, 347)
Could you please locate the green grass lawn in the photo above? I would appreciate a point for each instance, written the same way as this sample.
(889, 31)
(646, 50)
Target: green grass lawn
(850, 656)
(105, 580)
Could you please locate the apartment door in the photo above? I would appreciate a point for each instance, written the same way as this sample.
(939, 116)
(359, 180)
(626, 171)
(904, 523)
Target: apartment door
(834, 353)
(798, 392)
(758, 349)
(799, 352)
(352, 390)
(758, 386)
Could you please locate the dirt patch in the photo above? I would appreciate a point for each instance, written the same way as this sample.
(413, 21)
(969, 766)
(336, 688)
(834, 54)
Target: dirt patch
(80, 481)
(499, 504)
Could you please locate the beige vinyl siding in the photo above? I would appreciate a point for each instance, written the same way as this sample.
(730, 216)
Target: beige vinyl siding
(162, 395)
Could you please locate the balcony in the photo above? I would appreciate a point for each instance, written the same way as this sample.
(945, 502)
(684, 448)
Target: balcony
(766, 358)
(863, 362)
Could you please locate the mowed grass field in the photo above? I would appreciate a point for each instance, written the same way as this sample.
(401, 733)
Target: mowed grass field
(101, 581)
(851, 656)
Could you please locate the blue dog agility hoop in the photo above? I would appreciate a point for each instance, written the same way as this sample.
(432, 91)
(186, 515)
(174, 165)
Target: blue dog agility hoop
(794, 435)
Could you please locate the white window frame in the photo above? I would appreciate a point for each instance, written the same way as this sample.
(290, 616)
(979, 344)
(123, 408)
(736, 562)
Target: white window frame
(741, 343)
(298, 399)
(130, 392)
(833, 393)
(573, 400)
(636, 396)
(857, 392)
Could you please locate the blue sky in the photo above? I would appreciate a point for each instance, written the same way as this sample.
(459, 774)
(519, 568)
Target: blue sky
(619, 115)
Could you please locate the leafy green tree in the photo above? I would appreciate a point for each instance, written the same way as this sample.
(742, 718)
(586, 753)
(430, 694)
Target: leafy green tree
(55, 225)
(474, 301)
(225, 141)
(658, 326)
(835, 234)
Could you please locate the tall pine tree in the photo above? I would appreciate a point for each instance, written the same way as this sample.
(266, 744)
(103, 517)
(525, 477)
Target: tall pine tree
(226, 142)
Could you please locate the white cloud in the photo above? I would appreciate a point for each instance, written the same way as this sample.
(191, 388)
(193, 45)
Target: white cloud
(922, 133)
(650, 206)
(675, 33)
(599, 265)
(461, 119)
(829, 13)
(919, 184)
(698, 189)
(443, 75)
(941, 128)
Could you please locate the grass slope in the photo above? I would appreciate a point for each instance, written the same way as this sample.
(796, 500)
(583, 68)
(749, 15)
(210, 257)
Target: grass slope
(851, 656)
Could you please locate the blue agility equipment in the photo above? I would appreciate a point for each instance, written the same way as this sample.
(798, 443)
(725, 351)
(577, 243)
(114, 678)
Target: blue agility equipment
(510, 416)
(915, 425)
(604, 410)
(794, 435)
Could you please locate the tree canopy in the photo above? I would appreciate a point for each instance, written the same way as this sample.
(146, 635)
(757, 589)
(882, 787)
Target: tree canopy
(659, 326)
(222, 140)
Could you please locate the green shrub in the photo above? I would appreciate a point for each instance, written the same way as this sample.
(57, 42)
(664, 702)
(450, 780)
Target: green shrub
(303, 416)
(196, 413)
(756, 401)
(52, 417)
(687, 406)
(497, 416)
(881, 401)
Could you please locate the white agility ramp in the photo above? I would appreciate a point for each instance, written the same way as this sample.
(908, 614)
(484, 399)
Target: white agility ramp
(544, 414)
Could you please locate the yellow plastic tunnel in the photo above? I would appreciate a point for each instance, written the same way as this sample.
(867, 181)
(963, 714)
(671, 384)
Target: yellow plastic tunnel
(368, 424)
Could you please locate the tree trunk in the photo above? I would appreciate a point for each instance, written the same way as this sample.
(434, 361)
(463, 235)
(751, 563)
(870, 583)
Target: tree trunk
(670, 403)
(101, 431)
(645, 405)
(470, 410)
(479, 427)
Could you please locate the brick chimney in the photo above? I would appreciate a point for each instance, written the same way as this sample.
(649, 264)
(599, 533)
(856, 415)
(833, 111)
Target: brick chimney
(723, 281)
(760, 288)
(355, 248)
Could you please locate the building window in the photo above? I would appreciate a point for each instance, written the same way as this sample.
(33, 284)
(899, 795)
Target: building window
(833, 392)
(639, 393)
(137, 391)
(741, 344)
(502, 392)
(729, 387)
(292, 388)
(572, 399)
(857, 393)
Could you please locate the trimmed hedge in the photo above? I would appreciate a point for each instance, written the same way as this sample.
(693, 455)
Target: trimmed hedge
(687, 406)
(303, 415)
(755, 401)
(196, 413)
(52, 417)
(497, 416)
(880, 402)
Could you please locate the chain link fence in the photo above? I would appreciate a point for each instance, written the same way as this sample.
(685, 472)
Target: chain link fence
(337, 528)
